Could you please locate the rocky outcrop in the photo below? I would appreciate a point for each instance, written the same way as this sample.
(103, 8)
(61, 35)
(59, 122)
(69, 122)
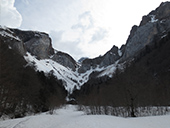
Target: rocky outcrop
(65, 60)
(82, 59)
(153, 26)
(111, 57)
(14, 41)
(160, 13)
(102, 61)
(156, 23)
(37, 43)
(87, 64)
(40, 46)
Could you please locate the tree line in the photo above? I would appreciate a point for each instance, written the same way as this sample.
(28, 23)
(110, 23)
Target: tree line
(143, 83)
(24, 91)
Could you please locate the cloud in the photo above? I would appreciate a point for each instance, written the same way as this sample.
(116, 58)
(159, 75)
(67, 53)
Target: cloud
(90, 36)
(72, 27)
(85, 21)
(9, 16)
(69, 46)
(83, 28)
(56, 35)
(99, 34)
(47, 15)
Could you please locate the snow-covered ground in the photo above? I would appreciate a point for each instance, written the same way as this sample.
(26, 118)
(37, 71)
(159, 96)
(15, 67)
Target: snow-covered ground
(69, 117)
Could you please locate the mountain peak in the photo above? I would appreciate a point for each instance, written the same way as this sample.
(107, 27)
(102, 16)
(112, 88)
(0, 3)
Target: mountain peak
(38, 44)
(155, 24)
(160, 13)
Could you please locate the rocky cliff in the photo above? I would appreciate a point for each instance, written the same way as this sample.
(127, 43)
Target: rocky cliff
(153, 27)
(102, 61)
(36, 43)
(149, 74)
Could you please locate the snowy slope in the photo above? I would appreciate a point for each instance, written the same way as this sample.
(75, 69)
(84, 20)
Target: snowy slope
(110, 70)
(68, 117)
(70, 77)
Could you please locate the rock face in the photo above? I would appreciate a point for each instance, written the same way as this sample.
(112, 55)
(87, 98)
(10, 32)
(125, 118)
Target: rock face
(153, 26)
(14, 41)
(39, 45)
(102, 61)
(36, 43)
(111, 56)
(160, 13)
(156, 23)
(65, 60)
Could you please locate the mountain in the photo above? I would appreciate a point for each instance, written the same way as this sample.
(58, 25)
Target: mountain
(37, 50)
(33, 51)
(153, 26)
(143, 78)
(24, 91)
(82, 59)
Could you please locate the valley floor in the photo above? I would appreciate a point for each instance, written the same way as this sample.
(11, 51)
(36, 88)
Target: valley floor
(69, 117)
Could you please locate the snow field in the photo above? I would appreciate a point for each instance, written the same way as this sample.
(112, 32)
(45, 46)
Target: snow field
(71, 78)
(69, 117)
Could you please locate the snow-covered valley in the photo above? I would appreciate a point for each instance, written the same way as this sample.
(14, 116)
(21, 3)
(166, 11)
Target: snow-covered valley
(71, 78)
(69, 117)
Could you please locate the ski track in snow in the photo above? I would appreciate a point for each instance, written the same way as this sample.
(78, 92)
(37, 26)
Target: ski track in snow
(69, 117)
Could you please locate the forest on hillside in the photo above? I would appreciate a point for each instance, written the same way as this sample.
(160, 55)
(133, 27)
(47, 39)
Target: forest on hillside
(140, 86)
(24, 91)
(144, 82)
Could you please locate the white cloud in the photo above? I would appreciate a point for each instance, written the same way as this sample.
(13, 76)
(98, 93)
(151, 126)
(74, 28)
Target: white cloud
(69, 46)
(85, 21)
(9, 16)
(47, 15)
(99, 34)
(84, 28)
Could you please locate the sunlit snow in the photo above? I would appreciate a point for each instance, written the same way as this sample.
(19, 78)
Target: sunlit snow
(72, 78)
(69, 117)
(153, 19)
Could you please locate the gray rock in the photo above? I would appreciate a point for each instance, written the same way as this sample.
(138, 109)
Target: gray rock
(82, 59)
(160, 13)
(65, 60)
(156, 23)
(36, 43)
(122, 49)
(12, 40)
(87, 64)
(110, 57)
(39, 45)
(102, 61)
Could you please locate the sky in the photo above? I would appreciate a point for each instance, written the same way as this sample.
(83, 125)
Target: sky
(81, 28)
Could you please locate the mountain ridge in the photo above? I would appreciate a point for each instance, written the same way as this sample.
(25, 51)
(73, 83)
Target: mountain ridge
(35, 77)
(37, 48)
